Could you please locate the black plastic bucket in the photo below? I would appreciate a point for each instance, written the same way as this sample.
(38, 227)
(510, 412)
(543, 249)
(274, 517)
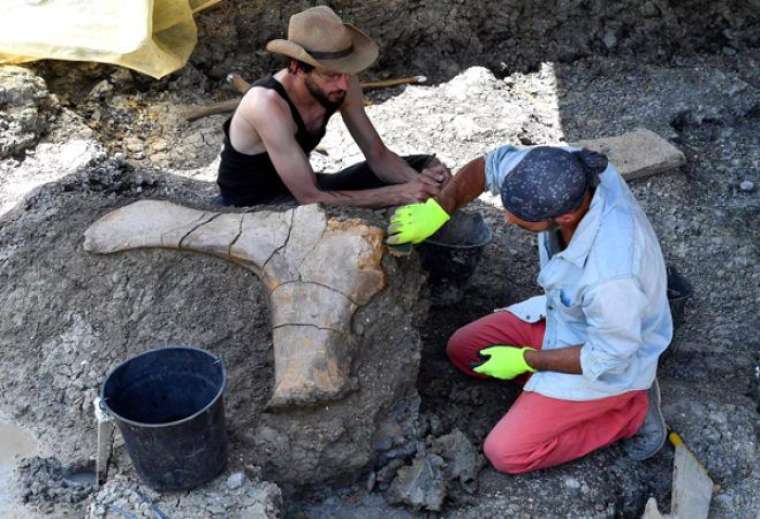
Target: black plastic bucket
(451, 255)
(169, 408)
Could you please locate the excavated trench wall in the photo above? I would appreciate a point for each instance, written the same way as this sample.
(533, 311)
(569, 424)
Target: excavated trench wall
(441, 37)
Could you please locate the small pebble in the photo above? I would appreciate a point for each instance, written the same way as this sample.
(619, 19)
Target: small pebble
(235, 480)
(747, 186)
(371, 481)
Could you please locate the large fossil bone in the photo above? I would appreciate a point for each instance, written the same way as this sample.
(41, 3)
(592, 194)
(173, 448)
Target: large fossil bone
(317, 272)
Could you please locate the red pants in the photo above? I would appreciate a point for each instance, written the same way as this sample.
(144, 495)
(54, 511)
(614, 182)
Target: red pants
(539, 431)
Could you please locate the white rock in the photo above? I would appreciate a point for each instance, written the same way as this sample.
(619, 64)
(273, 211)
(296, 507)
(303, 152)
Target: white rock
(134, 144)
(235, 480)
(101, 90)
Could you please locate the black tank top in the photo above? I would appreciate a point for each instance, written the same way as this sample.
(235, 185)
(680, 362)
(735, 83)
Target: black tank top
(249, 179)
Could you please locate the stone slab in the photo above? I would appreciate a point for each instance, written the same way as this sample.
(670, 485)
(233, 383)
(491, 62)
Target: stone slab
(637, 154)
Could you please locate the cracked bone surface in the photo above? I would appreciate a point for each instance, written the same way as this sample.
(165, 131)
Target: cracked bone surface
(317, 272)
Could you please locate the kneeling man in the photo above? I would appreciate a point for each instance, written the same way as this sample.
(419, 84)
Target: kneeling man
(587, 348)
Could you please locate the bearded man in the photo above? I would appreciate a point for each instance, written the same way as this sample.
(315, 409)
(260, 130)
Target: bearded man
(282, 118)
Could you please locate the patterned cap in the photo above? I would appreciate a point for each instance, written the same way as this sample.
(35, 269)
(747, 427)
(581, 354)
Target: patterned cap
(550, 181)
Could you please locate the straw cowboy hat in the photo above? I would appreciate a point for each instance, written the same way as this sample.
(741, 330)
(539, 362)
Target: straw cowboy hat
(317, 36)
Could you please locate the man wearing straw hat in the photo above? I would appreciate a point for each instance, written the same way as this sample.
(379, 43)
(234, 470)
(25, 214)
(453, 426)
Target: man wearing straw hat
(283, 117)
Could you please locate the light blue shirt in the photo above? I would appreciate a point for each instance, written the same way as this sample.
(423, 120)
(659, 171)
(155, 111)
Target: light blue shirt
(606, 291)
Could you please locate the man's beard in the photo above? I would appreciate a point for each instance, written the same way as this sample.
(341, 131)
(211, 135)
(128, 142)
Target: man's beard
(322, 98)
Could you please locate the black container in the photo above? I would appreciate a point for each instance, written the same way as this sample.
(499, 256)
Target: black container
(169, 408)
(451, 255)
(679, 291)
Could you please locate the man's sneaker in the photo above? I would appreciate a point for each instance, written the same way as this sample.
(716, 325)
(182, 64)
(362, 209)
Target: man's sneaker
(652, 435)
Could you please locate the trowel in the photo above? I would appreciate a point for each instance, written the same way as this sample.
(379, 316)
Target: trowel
(692, 486)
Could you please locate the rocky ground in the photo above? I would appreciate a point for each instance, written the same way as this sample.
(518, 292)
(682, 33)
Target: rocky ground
(706, 216)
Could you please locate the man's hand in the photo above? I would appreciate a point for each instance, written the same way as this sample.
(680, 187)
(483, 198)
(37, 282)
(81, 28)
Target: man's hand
(438, 172)
(417, 190)
(414, 223)
(503, 362)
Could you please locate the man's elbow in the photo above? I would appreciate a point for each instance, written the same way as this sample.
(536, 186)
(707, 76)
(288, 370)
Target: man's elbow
(307, 199)
(597, 364)
(315, 196)
(376, 154)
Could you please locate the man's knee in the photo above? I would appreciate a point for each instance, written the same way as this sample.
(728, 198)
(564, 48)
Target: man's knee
(456, 347)
(508, 454)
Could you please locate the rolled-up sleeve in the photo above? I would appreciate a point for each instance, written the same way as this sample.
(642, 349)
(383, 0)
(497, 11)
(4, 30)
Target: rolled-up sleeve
(498, 163)
(614, 311)
(531, 310)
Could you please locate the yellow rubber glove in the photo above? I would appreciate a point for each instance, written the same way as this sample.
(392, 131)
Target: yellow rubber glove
(414, 223)
(504, 362)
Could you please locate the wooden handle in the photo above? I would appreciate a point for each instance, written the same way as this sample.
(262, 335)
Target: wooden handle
(385, 83)
(242, 86)
(216, 108)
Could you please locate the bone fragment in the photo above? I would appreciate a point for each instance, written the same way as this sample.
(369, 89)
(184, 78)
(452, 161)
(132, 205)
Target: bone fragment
(317, 272)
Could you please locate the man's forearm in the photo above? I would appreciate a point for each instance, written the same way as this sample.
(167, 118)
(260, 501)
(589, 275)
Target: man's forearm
(464, 187)
(369, 198)
(563, 360)
(391, 168)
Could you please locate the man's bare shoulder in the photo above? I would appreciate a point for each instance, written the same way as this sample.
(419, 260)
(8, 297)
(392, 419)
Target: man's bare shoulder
(263, 105)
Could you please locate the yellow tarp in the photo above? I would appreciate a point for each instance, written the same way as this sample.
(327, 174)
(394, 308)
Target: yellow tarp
(154, 37)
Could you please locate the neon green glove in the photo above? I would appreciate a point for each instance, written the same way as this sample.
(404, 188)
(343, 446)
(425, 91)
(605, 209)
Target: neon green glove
(504, 362)
(414, 223)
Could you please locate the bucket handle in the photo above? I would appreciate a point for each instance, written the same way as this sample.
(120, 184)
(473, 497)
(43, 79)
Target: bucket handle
(102, 413)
